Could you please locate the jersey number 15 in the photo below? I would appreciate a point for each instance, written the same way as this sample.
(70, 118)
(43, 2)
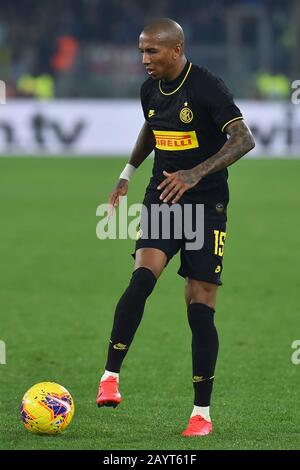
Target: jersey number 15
(219, 242)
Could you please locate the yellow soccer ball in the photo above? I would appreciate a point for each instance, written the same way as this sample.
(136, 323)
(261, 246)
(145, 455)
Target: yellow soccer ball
(47, 408)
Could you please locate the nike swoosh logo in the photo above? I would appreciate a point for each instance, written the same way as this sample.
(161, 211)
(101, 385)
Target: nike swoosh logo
(120, 346)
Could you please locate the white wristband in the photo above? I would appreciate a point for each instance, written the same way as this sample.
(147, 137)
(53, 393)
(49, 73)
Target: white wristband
(127, 172)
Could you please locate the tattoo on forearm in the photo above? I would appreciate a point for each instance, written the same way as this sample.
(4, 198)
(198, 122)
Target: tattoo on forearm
(239, 143)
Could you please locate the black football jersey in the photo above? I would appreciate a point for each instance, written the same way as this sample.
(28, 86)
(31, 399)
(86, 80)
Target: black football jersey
(188, 117)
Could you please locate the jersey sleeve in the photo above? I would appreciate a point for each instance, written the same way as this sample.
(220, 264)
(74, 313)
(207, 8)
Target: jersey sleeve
(220, 103)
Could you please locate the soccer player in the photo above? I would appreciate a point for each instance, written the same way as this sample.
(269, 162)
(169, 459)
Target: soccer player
(196, 131)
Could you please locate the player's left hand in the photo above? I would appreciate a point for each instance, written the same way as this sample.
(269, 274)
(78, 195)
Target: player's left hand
(176, 184)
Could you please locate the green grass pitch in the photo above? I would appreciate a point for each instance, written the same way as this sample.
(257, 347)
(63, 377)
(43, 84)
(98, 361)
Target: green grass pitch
(59, 285)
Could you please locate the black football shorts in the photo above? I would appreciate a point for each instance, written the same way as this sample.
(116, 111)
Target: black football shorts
(198, 233)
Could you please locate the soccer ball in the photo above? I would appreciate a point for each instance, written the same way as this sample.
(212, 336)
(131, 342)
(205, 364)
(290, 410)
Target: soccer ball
(47, 408)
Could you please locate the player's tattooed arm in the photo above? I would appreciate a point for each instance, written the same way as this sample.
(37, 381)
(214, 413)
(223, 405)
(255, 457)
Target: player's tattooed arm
(239, 143)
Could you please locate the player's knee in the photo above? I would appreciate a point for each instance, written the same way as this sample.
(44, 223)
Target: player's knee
(143, 281)
(187, 294)
(201, 292)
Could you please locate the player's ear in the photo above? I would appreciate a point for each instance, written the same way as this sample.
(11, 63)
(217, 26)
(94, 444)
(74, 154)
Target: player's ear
(177, 51)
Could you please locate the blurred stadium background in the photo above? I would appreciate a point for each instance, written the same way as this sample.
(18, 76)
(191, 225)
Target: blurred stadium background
(72, 72)
(88, 50)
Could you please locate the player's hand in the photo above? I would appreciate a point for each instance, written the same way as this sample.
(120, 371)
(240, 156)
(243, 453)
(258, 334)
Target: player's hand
(114, 199)
(176, 184)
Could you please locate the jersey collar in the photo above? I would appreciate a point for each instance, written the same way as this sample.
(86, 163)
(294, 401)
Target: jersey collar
(169, 88)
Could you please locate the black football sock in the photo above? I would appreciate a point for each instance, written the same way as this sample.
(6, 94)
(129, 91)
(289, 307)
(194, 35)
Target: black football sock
(205, 347)
(128, 314)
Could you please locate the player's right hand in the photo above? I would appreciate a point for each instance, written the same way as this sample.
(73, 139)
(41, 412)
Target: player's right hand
(121, 189)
